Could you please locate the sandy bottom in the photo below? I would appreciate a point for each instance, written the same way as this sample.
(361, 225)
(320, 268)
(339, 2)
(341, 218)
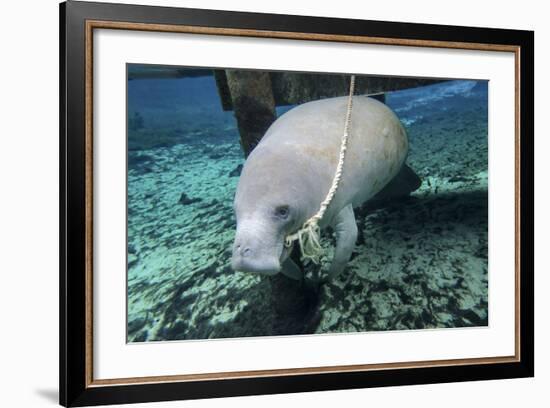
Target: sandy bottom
(419, 263)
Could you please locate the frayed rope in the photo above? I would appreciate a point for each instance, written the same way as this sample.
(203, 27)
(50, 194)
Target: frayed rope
(309, 238)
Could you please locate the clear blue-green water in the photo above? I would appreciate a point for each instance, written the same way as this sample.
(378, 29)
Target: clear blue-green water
(420, 262)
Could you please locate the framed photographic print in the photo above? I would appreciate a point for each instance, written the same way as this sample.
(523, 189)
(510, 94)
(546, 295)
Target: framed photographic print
(255, 203)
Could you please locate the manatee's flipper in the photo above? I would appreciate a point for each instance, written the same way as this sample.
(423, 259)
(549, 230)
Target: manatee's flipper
(345, 228)
(290, 269)
(404, 183)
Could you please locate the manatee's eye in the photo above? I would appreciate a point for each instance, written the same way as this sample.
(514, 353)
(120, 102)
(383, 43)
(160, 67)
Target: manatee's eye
(282, 211)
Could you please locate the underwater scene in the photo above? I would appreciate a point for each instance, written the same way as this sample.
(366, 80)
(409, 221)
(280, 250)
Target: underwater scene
(407, 258)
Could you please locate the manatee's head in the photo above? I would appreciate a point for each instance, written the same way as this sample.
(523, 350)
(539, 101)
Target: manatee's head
(267, 208)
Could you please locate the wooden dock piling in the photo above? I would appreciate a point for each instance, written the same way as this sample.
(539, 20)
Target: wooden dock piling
(253, 104)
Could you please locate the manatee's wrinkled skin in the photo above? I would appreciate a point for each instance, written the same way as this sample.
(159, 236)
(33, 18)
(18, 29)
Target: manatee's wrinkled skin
(288, 175)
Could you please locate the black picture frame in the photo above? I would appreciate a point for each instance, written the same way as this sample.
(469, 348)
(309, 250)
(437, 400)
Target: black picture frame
(76, 385)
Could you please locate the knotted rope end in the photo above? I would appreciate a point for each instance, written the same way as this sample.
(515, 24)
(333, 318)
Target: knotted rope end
(309, 239)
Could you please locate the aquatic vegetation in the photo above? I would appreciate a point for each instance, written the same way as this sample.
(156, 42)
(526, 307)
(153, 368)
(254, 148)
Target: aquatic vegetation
(418, 263)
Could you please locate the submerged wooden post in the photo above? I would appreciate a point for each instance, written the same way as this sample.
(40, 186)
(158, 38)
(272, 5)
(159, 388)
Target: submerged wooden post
(253, 105)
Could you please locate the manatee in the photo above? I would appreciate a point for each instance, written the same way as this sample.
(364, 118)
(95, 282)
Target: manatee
(288, 174)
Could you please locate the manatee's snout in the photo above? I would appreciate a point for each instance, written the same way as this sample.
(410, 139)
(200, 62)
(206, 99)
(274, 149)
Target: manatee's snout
(252, 254)
(247, 259)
